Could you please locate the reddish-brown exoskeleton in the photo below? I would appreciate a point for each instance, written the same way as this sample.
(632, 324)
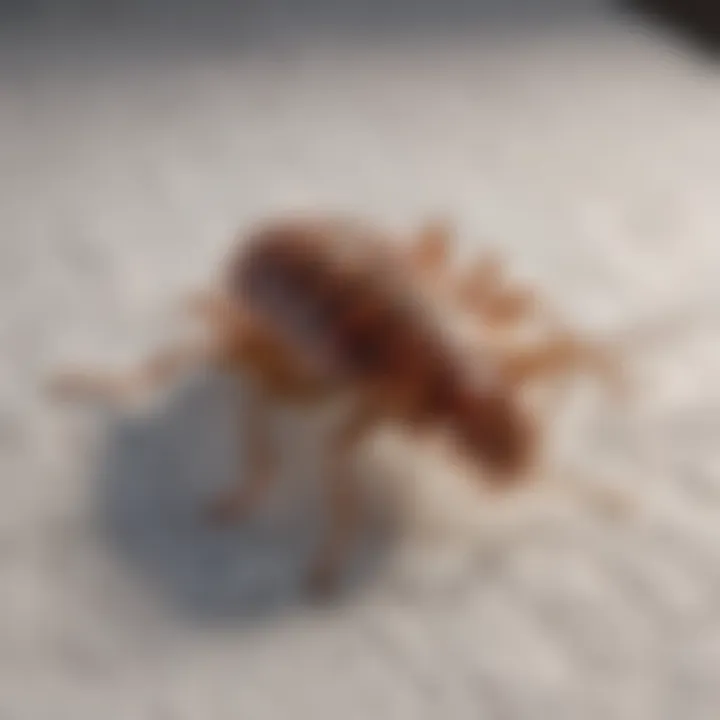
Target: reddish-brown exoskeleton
(315, 308)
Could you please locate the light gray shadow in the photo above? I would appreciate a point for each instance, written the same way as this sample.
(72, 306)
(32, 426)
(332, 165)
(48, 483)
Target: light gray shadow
(154, 480)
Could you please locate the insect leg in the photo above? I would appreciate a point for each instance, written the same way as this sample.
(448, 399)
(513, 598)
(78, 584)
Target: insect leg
(430, 251)
(235, 503)
(343, 503)
(560, 356)
(162, 367)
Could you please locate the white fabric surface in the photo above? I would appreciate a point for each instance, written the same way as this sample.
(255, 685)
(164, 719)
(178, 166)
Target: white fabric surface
(132, 148)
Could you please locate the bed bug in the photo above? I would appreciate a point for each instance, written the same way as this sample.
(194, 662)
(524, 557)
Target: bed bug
(315, 308)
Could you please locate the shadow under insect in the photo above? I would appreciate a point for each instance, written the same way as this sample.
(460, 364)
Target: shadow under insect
(159, 471)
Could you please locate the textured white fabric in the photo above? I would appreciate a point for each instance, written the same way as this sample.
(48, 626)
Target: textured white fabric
(135, 141)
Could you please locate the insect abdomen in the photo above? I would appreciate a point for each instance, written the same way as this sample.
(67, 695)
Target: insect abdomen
(350, 314)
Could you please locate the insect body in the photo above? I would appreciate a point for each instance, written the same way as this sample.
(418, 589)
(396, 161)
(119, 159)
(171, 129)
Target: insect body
(350, 314)
(316, 308)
